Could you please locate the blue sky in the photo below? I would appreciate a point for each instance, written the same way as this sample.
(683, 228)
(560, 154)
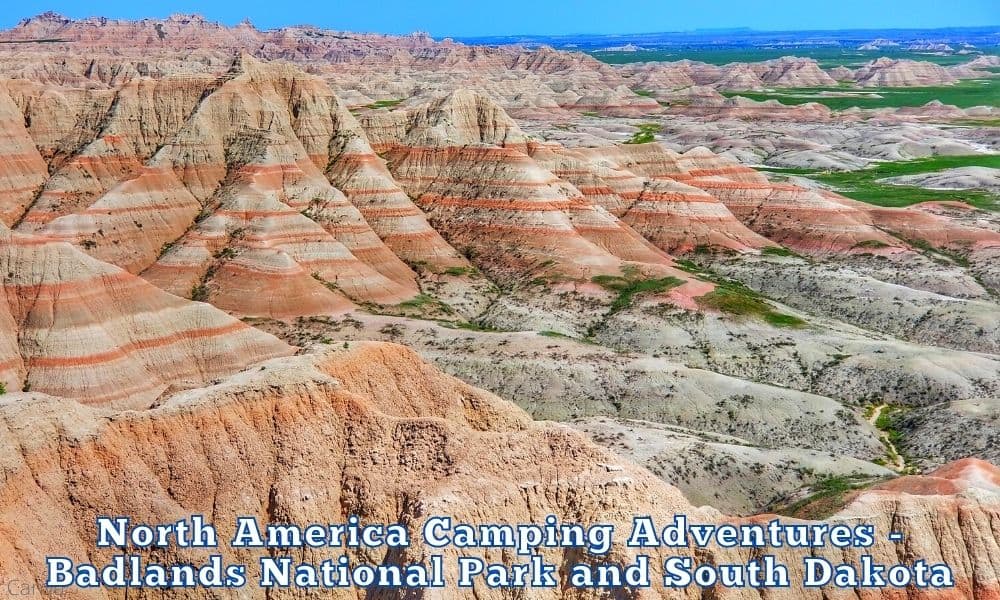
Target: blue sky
(508, 17)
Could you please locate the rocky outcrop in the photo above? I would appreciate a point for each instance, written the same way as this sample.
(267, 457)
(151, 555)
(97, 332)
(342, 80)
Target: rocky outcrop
(887, 72)
(372, 431)
(82, 329)
(336, 143)
(960, 178)
(792, 72)
(189, 179)
(786, 72)
(739, 76)
(467, 164)
(673, 215)
(726, 472)
(369, 431)
(22, 170)
(804, 219)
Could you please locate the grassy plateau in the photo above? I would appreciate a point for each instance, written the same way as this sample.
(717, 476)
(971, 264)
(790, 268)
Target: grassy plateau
(826, 57)
(964, 94)
(865, 184)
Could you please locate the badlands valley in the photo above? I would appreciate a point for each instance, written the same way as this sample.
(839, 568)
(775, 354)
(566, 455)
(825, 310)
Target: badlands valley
(301, 274)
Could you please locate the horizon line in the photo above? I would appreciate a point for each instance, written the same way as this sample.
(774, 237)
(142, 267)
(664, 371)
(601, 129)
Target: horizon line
(719, 30)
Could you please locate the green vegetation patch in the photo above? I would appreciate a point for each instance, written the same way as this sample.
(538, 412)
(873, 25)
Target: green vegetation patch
(629, 285)
(384, 103)
(932, 164)
(645, 93)
(419, 306)
(827, 56)
(553, 334)
(964, 94)
(735, 298)
(461, 271)
(687, 265)
(199, 292)
(777, 251)
(782, 320)
(226, 253)
(872, 244)
(865, 185)
(826, 497)
(419, 301)
(888, 421)
(646, 134)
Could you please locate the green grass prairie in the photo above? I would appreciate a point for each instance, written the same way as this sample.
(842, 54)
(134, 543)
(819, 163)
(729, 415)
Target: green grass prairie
(826, 57)
(964, 94)
(866, 185)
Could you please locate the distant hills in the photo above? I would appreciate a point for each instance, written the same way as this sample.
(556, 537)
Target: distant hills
(980, 37)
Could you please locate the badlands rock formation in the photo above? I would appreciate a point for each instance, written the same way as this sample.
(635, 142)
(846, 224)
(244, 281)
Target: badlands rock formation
(725, 472)
(960, 178)
(79, 328)
(468, 165)
(431, 444)
(795, 72)
(886, 72)
(182, 200)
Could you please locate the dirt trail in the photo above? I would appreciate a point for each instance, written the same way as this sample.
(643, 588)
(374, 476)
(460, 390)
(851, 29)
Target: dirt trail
(898, 463)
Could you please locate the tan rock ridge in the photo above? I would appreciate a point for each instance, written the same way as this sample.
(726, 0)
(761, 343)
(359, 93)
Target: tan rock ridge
(140, 196)
(673, 215)
(470, 167)
(22, 170)
(596, 219)
(785, 72)
(155, 158)
(808, 220)
(886, 72)
(791, 71)
(950, 479)
(549, 79)
(337, 144)
(78, 328)
(373, 431)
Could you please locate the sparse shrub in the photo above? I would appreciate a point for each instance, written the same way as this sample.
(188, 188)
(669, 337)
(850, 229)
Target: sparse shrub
(384, 103)
(871, 244)
(552, 334)
(646, 134)
(777, 251)
(736, 299)
(628, 285)
(459, 271)
(199, 293)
